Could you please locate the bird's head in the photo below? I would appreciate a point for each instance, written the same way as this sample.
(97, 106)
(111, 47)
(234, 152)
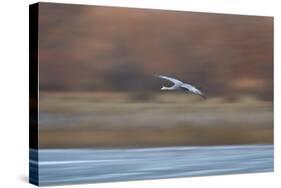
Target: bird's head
(164, 88)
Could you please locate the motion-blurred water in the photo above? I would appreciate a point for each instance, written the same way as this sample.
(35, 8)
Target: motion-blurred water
(67, 166)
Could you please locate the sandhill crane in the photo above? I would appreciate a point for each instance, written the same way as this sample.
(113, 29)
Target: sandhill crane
(180, 85)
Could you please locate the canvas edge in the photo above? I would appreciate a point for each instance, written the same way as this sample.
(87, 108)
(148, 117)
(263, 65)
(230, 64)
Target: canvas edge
(33, 94)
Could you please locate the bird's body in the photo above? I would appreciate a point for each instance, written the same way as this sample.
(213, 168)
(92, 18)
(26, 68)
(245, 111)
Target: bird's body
(180, 85)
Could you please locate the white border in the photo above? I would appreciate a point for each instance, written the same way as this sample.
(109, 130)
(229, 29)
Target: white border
(14, 90)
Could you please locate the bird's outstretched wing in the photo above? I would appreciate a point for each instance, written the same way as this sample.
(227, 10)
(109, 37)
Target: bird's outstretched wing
(175, 81)
(188, 87)
(193, 90)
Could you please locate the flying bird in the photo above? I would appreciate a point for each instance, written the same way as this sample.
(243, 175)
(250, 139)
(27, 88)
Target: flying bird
(180, 85)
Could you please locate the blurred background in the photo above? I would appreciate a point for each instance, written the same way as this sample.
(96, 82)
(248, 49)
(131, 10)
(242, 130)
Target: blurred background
(98, 89)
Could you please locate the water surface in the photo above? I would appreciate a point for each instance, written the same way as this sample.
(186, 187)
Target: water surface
(70, 166)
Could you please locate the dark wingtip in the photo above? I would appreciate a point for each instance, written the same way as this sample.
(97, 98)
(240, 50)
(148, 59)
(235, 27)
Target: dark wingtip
(157, 75)
(203, 96)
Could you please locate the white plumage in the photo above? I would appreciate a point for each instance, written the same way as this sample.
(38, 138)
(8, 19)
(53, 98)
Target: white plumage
(180, 85)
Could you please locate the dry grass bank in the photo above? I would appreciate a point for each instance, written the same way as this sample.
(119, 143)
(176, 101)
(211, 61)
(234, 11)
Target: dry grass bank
(169, 119)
